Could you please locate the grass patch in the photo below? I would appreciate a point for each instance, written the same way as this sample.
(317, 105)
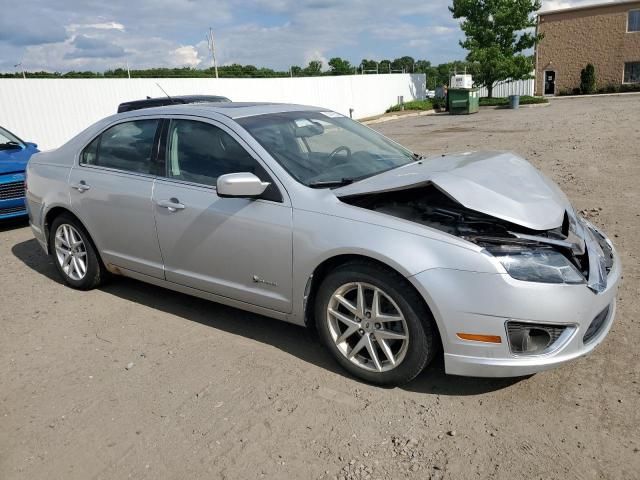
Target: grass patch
(503, 102)
(413, 105)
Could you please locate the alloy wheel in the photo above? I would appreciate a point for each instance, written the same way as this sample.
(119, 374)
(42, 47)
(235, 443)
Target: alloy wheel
(367, 327)
(71, 252)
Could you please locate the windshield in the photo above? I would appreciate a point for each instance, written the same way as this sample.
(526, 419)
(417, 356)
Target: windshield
(9, 140)
(325, 149)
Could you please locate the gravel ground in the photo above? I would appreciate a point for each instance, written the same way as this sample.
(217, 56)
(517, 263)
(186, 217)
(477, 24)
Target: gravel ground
(136, 381)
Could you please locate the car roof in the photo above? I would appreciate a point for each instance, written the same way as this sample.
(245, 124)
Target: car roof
(179, 99)
(232, 110)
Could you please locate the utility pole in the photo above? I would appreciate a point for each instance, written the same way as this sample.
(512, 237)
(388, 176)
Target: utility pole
(21, 68)
(128, 71)
(212, 50)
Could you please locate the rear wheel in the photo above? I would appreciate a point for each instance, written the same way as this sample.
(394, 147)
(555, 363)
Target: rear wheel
(375, 324)
(74, 255)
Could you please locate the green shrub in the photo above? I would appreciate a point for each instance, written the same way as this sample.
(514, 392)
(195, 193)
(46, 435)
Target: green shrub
(439, 103)
(588, 80)
(503, 102)
(413, 105)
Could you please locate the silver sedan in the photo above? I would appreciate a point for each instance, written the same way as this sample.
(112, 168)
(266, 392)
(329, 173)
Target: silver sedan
(301, 214)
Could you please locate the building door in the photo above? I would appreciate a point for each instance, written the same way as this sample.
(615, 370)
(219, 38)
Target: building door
(550, 82)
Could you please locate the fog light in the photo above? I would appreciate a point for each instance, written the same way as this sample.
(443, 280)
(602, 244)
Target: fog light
(531, 338)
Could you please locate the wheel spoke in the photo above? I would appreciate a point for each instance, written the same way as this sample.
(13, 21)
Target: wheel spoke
(82, 267)
(371, 348)
(360, 305)
(390, 334)
(383, 318)
(343, 318)
(347, 304)
(359, 346)
(346, 334)
(384, 346)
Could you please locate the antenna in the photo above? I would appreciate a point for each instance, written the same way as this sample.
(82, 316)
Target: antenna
(212, 50)
(163, 91)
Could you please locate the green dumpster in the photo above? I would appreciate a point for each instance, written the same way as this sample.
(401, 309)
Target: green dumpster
(463, 101)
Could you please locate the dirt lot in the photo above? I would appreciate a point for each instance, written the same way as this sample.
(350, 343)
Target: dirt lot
(136, 381)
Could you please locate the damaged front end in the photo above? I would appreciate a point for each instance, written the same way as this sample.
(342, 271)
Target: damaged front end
(574, 252)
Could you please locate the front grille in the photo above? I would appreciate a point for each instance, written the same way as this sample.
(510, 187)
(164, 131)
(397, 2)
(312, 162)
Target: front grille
(596, 325)
(9, 210)
(11, 190)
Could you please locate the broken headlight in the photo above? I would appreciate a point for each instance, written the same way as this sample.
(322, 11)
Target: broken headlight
(544, 265)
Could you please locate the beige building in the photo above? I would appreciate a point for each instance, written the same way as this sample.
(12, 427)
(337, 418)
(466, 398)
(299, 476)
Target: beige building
(605, 35)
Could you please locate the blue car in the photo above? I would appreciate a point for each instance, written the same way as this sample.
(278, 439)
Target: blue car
(14, 155)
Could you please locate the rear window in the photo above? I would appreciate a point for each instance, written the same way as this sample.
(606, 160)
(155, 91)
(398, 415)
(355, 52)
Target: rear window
(126, 146)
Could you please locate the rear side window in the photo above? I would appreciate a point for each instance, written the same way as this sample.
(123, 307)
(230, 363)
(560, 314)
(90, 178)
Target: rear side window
(127, 146)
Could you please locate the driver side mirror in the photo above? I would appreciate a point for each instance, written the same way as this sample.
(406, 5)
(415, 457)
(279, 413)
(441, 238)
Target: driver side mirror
(240, 185)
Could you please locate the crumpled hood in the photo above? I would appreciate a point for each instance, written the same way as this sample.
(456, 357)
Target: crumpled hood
(500, 184)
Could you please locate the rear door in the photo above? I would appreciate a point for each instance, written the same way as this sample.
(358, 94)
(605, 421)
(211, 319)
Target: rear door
(234, 247)
(111, 189)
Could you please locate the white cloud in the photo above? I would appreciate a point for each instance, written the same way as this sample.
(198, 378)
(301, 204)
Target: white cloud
(186, 56)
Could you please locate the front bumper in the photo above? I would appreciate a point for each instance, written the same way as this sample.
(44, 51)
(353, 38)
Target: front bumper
(482, 303)
(12, 202)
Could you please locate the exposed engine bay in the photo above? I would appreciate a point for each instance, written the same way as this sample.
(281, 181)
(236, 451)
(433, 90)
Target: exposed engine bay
(428, 205)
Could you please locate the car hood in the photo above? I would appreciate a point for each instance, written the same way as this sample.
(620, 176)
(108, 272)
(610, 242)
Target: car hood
(500, 184)
(15, 161)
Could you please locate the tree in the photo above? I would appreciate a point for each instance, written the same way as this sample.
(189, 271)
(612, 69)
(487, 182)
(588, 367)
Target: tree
(384, 66)
(370, 65)
(497, 32)
(403, 63)
(314, 68)
(340, 66)
(588, 80)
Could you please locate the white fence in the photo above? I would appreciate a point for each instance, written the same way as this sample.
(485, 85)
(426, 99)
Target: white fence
(510, 87)
(50, 111)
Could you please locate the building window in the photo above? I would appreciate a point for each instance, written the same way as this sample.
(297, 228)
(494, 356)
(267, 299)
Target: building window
(633, 24)
(632, 72)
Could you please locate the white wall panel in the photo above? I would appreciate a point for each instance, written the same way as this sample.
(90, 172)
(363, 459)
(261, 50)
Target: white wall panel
(510, 87)
(51, 111)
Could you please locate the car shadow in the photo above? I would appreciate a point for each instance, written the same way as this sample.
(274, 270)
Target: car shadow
(292, 339)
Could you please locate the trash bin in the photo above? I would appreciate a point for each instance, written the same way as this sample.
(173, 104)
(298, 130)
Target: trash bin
(514, 101)
(463, 101)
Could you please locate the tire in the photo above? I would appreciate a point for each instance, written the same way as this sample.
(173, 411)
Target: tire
(397, 299)
(84, 254)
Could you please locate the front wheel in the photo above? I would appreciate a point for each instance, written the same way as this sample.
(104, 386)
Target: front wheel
(375, 324)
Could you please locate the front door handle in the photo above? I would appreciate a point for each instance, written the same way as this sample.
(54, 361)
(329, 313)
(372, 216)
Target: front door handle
(81, 187)
(172, 205)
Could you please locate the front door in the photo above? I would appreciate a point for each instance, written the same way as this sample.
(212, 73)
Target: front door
(550, 82)
(111, 191)
(234, 247)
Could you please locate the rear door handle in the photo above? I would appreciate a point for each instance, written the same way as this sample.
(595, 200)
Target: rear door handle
(81, 187)
(172, 205)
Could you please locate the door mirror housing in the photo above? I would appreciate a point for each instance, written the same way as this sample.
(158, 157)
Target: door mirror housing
(240, 185)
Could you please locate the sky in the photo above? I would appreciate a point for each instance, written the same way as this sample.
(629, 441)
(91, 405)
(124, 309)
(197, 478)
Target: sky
(63, 35)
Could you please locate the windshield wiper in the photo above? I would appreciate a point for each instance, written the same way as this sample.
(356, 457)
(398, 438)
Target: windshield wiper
(331, 183)
(10, 144)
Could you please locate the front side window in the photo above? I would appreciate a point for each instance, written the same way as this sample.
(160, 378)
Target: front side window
(322, 149)
(633, 24)
(199, 152)
(126, 146)
(632, 72)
